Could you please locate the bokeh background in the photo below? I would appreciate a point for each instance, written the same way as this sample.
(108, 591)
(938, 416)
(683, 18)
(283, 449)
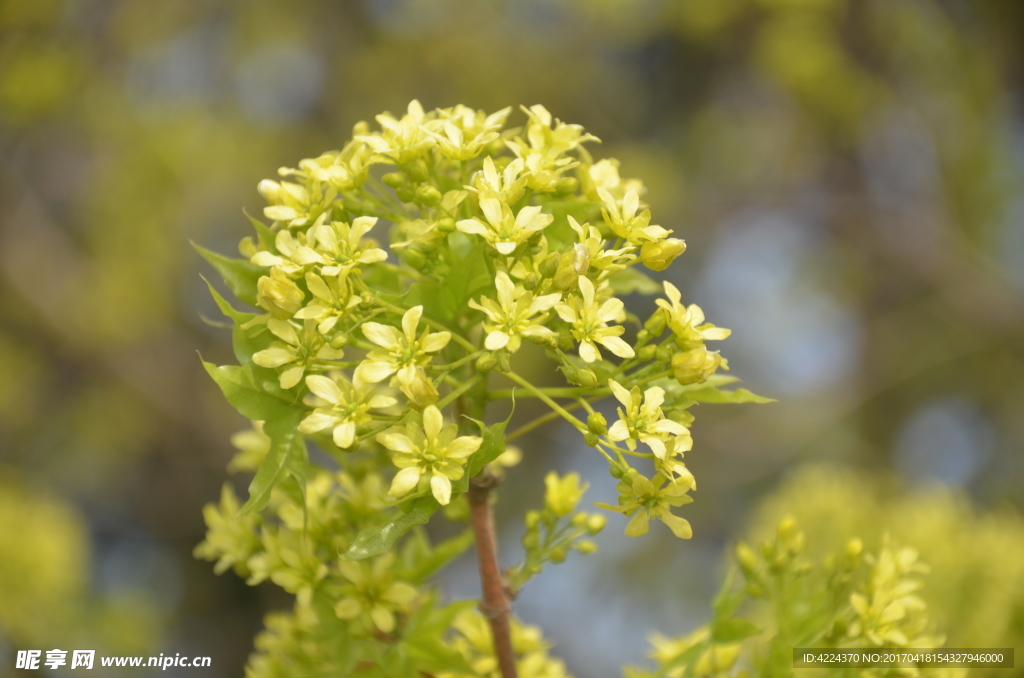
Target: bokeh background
(848, 175)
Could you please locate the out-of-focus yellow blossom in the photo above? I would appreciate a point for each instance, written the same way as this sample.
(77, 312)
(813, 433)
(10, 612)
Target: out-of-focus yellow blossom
(332, 300)
(252, 445)
(644, 498)
(401, 353)
(643, 420)
(563, 494)
(343, 407)
(301, 350)
(230, 539)
(604, 174)
(622, 218)
(515, 314)
(589, 321)
(372, 593)
(504, 230)
(432, 451)
(475, 644)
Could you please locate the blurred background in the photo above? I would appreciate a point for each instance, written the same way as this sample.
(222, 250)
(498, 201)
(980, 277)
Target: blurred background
(848, 175)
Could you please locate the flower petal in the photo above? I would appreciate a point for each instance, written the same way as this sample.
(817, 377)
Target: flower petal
(345, 434)
(324, 387)
(441, 488)
(396, 442)
(405, 481)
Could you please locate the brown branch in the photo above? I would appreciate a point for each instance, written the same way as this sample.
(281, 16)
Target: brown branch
(495, 604)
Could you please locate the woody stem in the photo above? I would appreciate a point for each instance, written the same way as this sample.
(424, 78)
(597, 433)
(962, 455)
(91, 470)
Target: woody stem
(495, 605)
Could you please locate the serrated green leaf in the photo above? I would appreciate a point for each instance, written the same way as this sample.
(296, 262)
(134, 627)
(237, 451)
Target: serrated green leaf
(238, 316)
(239, 274)
(264, 233)
(280, 422)
(630, 280)
(733, 630)
(492, 446)
(379, 539)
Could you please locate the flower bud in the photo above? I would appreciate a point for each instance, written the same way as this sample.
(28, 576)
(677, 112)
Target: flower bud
(591, 439)
(417, 170)
(421, 391)
(414, 258)
(579, 520)
(279, 295)
(617, 471)
(566, 342)
(647, 352)
(446, 224)
(531, 282)
(854, 547)
(586, 547)
(658, 255)
(486, 362)
(532, 519)
(596, 523)
(361, 128)
(656, 323)
(270, 190)
(558, 555)
(571, 266)
(695, 366)
(597, 423)
(504, 361)
(393, 179)
(567, 185)
(339, 340)
(405, 194)
(747, 559)
(549, 265)
(428, 195)
(531, 540)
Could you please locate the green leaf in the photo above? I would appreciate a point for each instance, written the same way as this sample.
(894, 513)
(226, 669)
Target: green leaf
(630, 280)
(492, 446)
(280, 419)
(379, 539)
(226, 308)
(733, 630)
(267, 237)
(467, 277)
(240, 274)
(422, 560)
(727, 601)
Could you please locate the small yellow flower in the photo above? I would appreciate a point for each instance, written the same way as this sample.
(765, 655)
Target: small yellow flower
(302, 351)
(279, 295)
(508, 186)
(643, 419)
(401, 140)
(686, 321)
(371, 593)
(622, 218)
(645, 499)
(293, 204)
(590, 320)
(433, 451)
(339, 247)
(604, 260)
(504, 230)
(342, 406)
(463, 133)
(401, 353)
(343, 171)
(332, 301)
(514, 315)
(563, 494)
